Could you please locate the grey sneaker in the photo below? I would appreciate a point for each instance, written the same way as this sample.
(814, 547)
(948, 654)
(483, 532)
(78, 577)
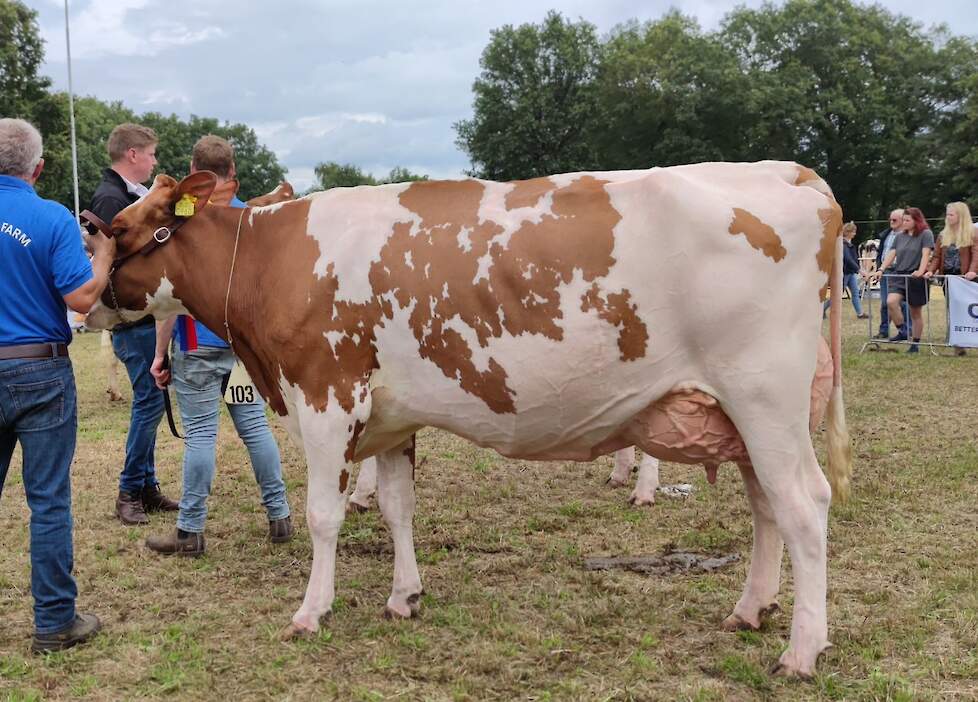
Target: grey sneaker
(81, 630)
(280, 530)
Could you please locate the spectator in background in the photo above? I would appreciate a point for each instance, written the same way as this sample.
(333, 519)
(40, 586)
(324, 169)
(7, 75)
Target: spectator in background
(907, 263)
(850, 271)
(887, 237)
(132, 150)
(956, 250)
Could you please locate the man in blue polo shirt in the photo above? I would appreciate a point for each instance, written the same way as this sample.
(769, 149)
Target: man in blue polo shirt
(43, 266)
(202, 364)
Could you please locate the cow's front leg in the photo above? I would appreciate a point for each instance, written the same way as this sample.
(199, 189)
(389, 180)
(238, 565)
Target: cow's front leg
(366, 486)
(395, 493)
(648, 482)
(327, 438)
(624, 460)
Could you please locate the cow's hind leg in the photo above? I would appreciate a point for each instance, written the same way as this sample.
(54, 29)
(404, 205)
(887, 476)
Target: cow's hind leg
(366, 486)
(622, 473)
(327, 439)
(648, 482)
(764, 579)
(789, 476)
(395, 493)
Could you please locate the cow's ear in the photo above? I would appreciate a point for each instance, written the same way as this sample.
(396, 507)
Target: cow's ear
(197, 187)
(224, 192)
(287, 190)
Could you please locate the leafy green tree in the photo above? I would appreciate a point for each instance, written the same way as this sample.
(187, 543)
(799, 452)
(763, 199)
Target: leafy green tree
(21, 55)
(258, 170)
(850, 90)
(345, 175)
(535, 103)
(341, 175)
(668, 94)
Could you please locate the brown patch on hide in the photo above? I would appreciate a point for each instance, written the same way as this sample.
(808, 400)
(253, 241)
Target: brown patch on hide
(761, 236)
(805, 175)
(351, 444)
(528, 193)
(615, 309)
(436, 265)
(344, 480)
(831, 218)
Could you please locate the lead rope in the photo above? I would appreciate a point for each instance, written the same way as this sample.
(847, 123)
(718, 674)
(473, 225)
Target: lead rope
(227, 298)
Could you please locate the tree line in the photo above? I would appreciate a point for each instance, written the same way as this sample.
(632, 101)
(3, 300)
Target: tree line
(884, 109)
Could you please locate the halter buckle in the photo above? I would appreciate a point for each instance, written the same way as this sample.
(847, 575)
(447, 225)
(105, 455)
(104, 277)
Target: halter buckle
(162, 239)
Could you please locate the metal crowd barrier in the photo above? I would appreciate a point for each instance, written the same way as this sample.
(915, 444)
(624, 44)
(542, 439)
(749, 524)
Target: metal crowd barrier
(927, 338)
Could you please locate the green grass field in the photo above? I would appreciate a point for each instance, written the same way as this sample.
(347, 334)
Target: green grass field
(510, 613)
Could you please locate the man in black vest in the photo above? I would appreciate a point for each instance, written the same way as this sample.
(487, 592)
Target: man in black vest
(132, 150)
(887, 237)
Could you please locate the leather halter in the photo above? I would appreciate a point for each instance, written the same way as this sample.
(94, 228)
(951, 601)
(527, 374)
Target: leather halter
(160, 237)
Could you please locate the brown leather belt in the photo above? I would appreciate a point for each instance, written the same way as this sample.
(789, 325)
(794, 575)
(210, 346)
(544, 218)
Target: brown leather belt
(9, 353)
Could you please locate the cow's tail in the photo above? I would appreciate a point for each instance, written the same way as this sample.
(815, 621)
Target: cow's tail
(839, 445)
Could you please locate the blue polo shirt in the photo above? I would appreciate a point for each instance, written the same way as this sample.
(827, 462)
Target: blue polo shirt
(205, 337)
(41, 260)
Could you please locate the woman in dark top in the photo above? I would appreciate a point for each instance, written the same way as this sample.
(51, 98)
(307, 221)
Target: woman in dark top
(907, 263)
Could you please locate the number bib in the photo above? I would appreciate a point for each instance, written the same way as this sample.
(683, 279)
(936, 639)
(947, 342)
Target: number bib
(240, 390)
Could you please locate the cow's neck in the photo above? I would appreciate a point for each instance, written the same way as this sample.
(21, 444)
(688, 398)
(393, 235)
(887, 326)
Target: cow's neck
(203, 256)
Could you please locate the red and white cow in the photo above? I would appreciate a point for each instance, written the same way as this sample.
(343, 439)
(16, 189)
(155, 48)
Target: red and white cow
(552, 319)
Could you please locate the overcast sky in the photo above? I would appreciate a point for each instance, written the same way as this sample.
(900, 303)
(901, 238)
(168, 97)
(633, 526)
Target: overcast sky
(377, 83)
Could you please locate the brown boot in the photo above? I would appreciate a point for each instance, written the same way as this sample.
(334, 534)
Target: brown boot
(280, 530)
(179, 542)
(155, 501)
(129, 509)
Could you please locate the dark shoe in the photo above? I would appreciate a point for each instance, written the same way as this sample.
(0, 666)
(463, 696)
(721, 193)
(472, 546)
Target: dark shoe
(81, 630)
(180, 542)
(959, 351)
(862, 316)
(155, 501)
(280, 530)
(900, 336)
(882, 335)
(913, 349)
(129, 509)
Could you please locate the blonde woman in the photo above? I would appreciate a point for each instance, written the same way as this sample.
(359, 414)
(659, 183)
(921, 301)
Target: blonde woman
(956, 249)
(957, 246)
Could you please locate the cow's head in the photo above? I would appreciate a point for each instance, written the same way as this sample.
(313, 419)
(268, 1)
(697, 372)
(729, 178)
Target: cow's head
(138, 285)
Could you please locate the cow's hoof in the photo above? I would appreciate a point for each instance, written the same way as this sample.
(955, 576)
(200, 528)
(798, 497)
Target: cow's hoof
(735, 622)
(356, 508)
(294, 632)
(789, 665)
(403, 610)
(642, 500)
(614, 482)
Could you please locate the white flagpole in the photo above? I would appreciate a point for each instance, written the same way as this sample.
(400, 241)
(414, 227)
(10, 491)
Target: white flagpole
(71, 116)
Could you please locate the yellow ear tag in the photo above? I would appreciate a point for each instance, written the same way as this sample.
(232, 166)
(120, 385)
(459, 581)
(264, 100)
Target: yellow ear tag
(185, 206)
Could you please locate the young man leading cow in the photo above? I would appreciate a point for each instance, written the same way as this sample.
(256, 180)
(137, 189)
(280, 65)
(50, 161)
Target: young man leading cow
(202, 363)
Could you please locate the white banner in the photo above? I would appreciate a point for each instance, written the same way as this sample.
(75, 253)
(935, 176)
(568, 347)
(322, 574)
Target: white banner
(962, 316)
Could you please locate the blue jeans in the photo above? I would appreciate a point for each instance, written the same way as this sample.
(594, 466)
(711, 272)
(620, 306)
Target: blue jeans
(38, 408)
(851, 281)
(885, 312)
(198, 377)
(136, 347)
